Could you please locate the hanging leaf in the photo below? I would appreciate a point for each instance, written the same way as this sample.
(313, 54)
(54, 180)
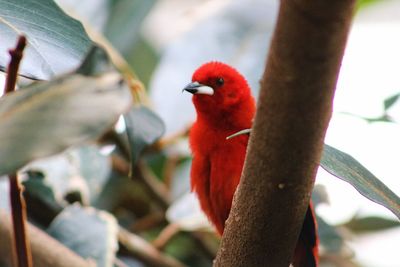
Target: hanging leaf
(56, 42)
(370, 224)
(330, 238)
(345, 167)
(89, 232)
(41, 202)
(143, 127)
(48, 117)
(390, 101)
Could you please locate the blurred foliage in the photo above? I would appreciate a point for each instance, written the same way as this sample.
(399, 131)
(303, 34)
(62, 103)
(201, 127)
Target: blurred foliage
(132, 177)
(129, 40)
(388, 104)
(366, 3)
(370, 224)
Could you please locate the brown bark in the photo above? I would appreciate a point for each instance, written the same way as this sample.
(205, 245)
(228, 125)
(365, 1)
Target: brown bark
(46, 251)
(293, 113)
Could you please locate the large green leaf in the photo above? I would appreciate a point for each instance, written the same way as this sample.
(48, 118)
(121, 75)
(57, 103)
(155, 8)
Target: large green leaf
(144, 127)
(89, 232)
(47, 117)
(350, 170)
(56, 42)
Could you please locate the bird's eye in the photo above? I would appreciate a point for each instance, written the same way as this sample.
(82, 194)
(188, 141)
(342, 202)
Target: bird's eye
(219, 81)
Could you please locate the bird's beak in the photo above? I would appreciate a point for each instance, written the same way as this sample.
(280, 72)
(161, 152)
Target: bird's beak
(197, 88)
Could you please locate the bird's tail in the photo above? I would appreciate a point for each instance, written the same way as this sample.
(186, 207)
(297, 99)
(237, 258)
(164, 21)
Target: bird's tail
(306, 252)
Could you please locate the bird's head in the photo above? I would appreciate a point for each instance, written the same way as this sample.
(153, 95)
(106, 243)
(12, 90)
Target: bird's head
(218, 88)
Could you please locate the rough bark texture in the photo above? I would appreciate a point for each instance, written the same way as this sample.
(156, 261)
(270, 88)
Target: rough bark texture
(46, 251)
(293, 113)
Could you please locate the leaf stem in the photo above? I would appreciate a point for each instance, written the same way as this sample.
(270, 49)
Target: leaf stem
(22, 252)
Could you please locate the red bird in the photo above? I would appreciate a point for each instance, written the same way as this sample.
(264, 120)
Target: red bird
(224, 106)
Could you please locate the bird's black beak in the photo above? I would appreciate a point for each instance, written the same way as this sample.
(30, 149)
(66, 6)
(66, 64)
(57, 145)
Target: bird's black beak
(198, 88)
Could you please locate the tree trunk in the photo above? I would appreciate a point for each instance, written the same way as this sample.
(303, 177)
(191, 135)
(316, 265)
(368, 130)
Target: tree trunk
(294, 109)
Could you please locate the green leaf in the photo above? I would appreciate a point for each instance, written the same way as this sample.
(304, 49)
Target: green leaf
(94, 167)
(390, 101)
(47, 117)
(330, 238)
(96, 62)
(371, 224)
(345, 167)
(89, 232)
(56, 42)
(143, 127)
(40, 198)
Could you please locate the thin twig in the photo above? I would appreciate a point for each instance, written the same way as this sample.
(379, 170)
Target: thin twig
(22, 250)
(22, 253)
(166, 235)
(169, 140)
(149, 221)
(157, 188)
(12, 70)
(145, 251)
(170, 169)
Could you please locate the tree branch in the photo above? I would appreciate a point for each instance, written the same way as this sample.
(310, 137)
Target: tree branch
(12, 69)
(46, 251)
(22, 253)
(293, 113)
(145, 251)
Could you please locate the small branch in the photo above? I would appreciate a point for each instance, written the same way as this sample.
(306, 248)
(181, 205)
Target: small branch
(155, 187)
(169, 140)
(144, 251)
(12, 70)
(119, 263)
(46, 251)
(149, 221)
(170, 169)
(22, 253)
(166, 235)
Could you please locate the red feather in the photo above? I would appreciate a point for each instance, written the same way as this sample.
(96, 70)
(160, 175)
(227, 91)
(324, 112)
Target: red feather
(217, 162)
